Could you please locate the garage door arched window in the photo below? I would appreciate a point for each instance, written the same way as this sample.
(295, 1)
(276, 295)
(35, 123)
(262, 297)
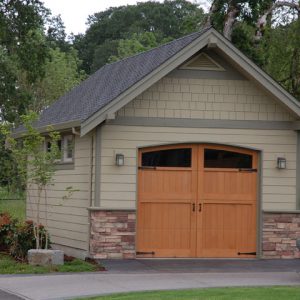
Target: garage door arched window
(217, 158)
(178, 157)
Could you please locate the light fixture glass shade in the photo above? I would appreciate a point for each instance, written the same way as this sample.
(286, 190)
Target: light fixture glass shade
(120, 159)
(281, 163)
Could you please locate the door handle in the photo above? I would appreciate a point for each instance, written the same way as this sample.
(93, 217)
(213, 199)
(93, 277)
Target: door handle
(193, 206)
(200, 207)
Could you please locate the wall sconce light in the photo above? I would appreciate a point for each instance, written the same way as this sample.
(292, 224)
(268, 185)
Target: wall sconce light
(281, 163)
(120, 159)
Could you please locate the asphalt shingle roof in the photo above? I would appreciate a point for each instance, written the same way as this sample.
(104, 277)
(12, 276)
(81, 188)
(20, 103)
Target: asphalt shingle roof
(109, 82)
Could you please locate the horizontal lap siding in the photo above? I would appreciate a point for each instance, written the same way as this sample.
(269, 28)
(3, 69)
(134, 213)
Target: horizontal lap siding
(118, 184)
(67, 214)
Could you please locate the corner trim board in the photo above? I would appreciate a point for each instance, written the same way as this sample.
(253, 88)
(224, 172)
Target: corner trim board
(97, 166)
(298, 172)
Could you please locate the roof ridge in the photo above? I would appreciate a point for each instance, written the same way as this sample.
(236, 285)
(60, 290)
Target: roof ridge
(159, 46)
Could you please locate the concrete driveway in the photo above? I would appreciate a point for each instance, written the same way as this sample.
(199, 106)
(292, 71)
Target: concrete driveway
(140, 275)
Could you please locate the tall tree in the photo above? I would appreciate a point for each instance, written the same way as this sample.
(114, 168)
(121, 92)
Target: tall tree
(22, 49)
(170, 19)
(62, 72)
(268, 31)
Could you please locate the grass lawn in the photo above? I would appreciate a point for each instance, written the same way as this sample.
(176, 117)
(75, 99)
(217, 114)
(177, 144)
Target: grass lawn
(254, 293)
(16, 208)
(10, 266)
(12, 203)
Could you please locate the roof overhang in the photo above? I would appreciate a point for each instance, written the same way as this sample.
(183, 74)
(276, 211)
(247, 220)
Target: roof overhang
(210, 38)
(52, 127)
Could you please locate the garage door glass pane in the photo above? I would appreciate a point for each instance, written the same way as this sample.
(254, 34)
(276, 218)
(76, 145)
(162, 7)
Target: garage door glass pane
(167, 158)
(214, 158)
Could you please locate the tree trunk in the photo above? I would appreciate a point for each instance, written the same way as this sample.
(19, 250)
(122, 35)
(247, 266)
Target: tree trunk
(263, 19)
(37, 223)
(212, 10)
(232, 14)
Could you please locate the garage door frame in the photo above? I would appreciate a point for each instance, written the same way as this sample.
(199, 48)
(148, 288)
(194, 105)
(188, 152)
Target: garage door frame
(259, 214)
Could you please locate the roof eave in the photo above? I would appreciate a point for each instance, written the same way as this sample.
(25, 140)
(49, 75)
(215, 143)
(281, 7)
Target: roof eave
(50, 127)
(257, 74)
(211, 38)
(135, 90)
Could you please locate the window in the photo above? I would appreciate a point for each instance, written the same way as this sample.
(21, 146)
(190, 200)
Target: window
(180, 157)
(66, 148)
(214, 158)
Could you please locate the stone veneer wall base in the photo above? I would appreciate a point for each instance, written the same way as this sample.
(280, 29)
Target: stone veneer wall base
(280, 234)
(112, 234)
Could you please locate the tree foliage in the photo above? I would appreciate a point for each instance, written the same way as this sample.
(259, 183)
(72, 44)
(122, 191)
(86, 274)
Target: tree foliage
(266, 31)
(29, 41)
(35, 166)
(123, 27)
(62, 72)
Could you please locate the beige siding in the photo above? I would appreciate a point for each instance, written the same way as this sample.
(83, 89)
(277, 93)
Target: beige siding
(118, 184)
(206, 99)
(67, 218)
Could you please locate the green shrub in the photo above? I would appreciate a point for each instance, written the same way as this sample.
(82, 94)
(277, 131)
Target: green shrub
(24, 239)
(17, 238)
(7, 229)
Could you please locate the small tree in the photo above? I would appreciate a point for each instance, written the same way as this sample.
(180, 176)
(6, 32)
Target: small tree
(35, 164)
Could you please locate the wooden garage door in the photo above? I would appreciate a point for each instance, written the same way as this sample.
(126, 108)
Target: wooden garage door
(196, 201)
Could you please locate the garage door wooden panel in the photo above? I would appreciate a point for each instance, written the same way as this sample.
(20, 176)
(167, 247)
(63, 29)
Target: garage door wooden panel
(167, 190)
(165, 185)
(229, 185)
(197, 201)
(165, 229)
(228, 230)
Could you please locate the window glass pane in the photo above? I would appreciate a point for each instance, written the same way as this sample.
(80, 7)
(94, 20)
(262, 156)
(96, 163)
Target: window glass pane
(68, 148)
(168, 158)
(214, 158)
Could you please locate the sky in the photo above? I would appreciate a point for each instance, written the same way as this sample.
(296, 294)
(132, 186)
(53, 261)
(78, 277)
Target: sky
(75, 13)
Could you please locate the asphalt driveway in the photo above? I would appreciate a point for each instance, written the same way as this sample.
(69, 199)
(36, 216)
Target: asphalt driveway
(141, 275)
(201, 265)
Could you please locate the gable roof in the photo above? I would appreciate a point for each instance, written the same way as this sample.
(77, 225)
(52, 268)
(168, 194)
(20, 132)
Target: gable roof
(114, 85)
(109, 82)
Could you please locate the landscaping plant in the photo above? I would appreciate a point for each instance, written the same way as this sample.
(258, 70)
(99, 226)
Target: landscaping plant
(7, 229)
(24, 239)
(36, 168)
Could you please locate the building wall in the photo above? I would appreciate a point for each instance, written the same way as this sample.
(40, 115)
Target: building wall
(196, 98)
(67, 214)
(281, 235)
(180, 95)
(113, 235)
(118, 185)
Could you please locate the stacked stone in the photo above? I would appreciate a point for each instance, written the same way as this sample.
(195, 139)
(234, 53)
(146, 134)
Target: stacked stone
(280, 234)
(112, 234)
